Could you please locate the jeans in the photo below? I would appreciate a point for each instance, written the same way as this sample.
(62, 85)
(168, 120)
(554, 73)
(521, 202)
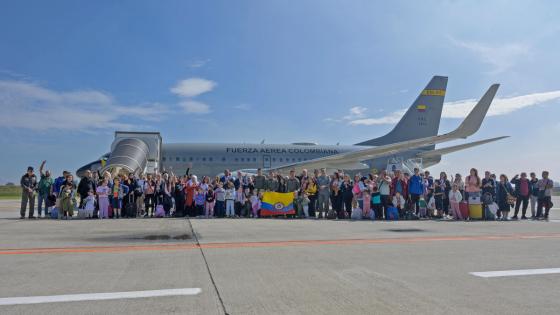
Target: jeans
(323, 203)
(42, 199)
(230, 210)
(27, 197)
(525, 201)
(534, 200)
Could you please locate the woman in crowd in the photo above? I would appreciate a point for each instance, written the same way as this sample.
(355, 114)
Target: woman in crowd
(229, 197)
(446, 188)
(336, 196)
(346, 192)
(472, 184)
(179, 195)
(311, 191)
(505, 191)
(149, 195)
(190, 190)
(384, 187)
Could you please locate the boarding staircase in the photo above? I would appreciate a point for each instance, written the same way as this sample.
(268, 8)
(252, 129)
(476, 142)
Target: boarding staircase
(404, 165)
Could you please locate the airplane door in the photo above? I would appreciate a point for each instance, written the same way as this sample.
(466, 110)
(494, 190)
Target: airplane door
(266, 161)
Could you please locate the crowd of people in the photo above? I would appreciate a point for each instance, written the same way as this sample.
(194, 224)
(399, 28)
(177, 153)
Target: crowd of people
(316, 195)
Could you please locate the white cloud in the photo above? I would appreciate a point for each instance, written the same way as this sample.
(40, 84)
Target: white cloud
(244, 107)
(392, 118)
(198, 63)
(500, 56)
(194, 107)
(30, 106)
(460, 109)
(192, 87)
(353, 113)
(500, 106)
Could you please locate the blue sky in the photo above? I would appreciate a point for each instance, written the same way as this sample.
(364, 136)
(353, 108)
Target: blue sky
(72, 72)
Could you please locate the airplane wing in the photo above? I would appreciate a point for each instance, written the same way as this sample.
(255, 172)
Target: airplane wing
(447, 150)
(353, 159)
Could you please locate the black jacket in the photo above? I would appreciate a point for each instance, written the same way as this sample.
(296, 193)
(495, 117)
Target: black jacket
(86, 184)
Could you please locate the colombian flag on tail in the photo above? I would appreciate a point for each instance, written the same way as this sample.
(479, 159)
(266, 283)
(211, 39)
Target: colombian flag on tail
(274, 203)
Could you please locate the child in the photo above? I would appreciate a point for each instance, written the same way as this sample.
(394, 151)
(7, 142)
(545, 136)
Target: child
(209, 204)
(455, 197)
(247, 205)
(399, 203)
(305, 204)
(118, 191)
(229, 197)
(199, 199)
(89, 205)
(422, 206)
(255, 204)
(431, 206)
(103, 193)
(219, 195)
(376, 203)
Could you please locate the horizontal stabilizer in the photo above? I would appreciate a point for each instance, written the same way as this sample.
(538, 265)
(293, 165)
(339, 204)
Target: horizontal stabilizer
(447, 150)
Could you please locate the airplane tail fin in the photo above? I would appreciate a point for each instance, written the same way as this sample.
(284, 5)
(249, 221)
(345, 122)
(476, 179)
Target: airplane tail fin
(421, 119)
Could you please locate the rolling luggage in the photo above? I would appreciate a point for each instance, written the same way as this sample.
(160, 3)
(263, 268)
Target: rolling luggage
(464, 209)
(392, 213)
(475, 211)
(130, 209)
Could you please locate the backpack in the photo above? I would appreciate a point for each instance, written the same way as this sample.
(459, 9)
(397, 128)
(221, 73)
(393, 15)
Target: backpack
(160, 212)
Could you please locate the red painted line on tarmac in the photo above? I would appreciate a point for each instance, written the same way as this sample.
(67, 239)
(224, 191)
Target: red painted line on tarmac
(176, 247)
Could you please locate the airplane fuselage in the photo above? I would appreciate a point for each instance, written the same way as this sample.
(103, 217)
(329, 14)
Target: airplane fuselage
(209, 159)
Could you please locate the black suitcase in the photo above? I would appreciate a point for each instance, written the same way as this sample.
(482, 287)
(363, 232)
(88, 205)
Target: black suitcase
(130, 209)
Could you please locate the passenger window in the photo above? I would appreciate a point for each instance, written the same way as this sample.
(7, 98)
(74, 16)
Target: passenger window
(204, 159)
(223, 159)
(163, 159)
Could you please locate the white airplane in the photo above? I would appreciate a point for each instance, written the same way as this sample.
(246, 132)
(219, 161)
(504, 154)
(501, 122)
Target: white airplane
(410, 144)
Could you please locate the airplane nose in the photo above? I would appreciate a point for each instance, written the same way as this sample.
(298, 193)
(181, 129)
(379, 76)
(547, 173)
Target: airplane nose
(93, 166)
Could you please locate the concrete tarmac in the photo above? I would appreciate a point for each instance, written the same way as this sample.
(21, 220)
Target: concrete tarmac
(276, 266)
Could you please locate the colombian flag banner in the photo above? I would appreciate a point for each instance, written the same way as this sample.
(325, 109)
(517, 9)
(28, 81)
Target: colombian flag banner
(274, 203)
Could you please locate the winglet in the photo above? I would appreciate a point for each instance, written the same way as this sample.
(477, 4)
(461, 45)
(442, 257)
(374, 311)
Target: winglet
(472, 123)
